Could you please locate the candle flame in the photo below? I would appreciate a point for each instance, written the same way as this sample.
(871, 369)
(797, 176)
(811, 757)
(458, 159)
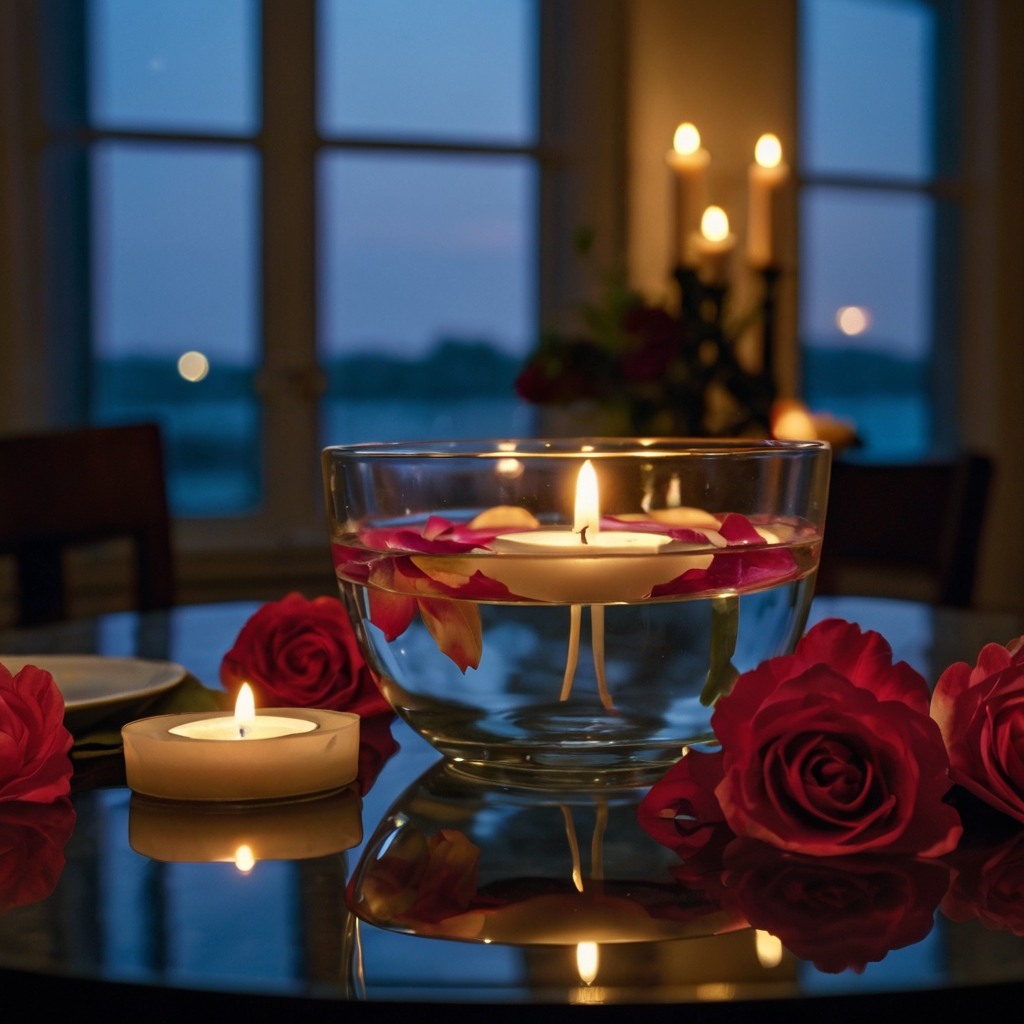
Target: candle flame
(768, 151)
(769, 949)
(244, 860)
(245, 709)
(714, 225)
(587, 960)
(588, 509)
(686, 139)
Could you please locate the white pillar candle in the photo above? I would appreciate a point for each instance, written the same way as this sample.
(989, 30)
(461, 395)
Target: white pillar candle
(766, 176)
(714, 244)
(689, 162)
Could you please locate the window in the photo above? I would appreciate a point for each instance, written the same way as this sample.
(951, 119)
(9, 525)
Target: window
(175, 237)
(403, 180)
(427, 190)
(874, 222)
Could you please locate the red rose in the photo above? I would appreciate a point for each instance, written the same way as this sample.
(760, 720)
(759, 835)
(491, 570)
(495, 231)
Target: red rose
(830, 751)
(981, 714)
(989, 884)
(34, 745)
(32, 841)
(839, 913)
(299, 653)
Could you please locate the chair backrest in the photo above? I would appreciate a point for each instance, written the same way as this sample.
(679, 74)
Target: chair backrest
(923, 518)
(80, 486)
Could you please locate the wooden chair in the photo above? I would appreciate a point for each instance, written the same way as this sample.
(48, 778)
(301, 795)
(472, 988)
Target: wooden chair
(77, 487)
(905, 531)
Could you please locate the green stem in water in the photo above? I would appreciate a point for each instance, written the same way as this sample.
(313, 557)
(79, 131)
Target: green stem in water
(725, 626)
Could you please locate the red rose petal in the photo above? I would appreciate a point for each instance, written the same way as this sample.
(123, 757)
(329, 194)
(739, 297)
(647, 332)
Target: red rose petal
(391, 613)
(456, 629)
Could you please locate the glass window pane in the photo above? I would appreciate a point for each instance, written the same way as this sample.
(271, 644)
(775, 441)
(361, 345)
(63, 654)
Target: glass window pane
(865, 312)
(175, 250)
(426, 294)
(454, 69)
(184, 65)
(867, 87)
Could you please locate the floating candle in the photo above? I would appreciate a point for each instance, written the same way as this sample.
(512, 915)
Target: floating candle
(588, 575)
(245, 755)
(586, 565)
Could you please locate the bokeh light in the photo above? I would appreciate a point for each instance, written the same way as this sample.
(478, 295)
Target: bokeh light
(768, 151)
(686, 139)
(193, 366)
(853, 320)
(714, 225)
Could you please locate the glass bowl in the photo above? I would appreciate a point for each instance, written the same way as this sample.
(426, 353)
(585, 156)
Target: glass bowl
(573, 608)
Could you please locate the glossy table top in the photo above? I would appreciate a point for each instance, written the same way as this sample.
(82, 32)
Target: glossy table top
(283, 927)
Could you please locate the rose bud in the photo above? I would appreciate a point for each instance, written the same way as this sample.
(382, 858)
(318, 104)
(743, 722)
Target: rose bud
(830, 751)
(981, 714)
(299, 653)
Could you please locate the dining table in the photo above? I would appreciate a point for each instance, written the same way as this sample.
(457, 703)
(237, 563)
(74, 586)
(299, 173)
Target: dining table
(129, 929)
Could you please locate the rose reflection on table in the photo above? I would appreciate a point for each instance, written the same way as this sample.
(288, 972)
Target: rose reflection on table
(455, 859)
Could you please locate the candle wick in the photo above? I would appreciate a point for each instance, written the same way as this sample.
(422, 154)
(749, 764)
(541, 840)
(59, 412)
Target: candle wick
(583, 535)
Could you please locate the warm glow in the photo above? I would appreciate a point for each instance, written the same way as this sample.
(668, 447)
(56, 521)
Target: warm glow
(768, 151)
(245, 861)
(791, 421)
(511, 469)
(588, 509)
(587, 960)
(714, 225)
(686, 139)
(853, 319)
(193, 366)
(769, 949)
(245, 709)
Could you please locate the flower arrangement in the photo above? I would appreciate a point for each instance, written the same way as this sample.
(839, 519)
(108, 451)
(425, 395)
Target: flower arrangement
(654, 373)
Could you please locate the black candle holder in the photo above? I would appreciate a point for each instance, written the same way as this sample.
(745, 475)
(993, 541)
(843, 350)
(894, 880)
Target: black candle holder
(701, 317)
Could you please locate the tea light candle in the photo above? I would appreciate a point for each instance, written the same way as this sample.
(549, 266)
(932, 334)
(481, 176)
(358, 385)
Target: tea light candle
(245, 755)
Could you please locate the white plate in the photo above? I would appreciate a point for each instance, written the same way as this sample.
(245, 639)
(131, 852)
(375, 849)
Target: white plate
(90, 682)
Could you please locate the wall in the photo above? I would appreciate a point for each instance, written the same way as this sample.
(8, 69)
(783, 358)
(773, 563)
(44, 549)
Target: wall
(992, 326)
(729, 66)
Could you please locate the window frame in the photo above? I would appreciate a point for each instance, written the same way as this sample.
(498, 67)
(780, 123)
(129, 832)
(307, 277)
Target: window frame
(945, 188)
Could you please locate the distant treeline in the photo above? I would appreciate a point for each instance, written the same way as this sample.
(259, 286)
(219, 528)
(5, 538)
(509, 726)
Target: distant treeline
(451, 370)
(461, 369)
(846, 372)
